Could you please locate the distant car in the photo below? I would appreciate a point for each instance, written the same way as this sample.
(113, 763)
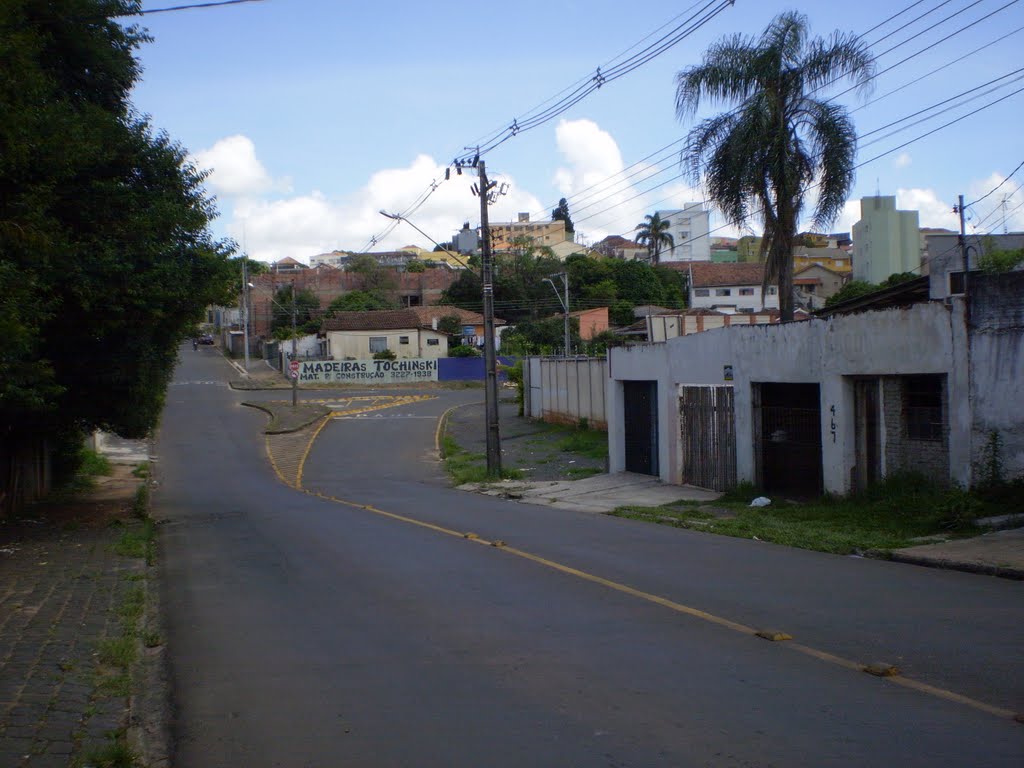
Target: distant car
(206, 339)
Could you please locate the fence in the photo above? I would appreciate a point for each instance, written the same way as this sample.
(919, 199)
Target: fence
(25, 473)
(566, 390)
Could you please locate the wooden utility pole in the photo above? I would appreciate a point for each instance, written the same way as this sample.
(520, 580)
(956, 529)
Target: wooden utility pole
(295, 354)
(490, 359)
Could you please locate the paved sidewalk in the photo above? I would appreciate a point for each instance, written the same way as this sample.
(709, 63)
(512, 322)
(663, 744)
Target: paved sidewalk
(69, 585)
(998, 553)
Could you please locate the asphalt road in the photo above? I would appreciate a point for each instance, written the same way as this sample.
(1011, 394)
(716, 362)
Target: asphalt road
(305, 631)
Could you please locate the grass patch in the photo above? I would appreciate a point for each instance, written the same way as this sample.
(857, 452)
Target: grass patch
(118, 652)
(138, 540)
(888, 516)
(90, 465)
(586, 442)
(132, 605)
(142, 470)
(140, 504)
(93, 463)
(152, 639)
(114, 686)
(577, 473)
(115, 754)
(465, 467)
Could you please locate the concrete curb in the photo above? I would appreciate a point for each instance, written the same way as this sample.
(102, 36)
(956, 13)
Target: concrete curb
(149, 706)
(312, 419)
(1004, 572)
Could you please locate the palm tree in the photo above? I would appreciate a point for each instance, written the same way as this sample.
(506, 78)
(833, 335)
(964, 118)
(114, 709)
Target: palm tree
(761, 158)
(654, 232)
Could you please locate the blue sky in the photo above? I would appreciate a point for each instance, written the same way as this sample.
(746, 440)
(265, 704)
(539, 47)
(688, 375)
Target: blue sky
(313, 114)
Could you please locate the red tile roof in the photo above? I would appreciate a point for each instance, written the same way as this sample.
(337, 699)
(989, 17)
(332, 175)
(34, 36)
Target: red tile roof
(707, 274)
(397, 319)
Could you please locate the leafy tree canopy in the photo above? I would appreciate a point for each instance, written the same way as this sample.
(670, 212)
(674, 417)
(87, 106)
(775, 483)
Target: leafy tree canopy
(306, 308)
(358, 301)
(106, 259)
(561, 213)
(762, 157)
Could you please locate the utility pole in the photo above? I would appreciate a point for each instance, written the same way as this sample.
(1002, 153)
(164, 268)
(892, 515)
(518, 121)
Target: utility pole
(490, 368)
(295, 354)
(963, 242)
(245, 307)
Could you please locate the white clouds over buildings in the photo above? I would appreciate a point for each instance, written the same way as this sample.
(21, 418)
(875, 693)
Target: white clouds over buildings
(605, 197)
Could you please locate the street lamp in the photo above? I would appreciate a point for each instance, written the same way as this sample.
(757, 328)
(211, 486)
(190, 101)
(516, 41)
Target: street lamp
(400, 217)
(565, 303)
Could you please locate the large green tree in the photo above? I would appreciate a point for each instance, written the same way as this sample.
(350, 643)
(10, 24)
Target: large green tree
(654, 232)
(306, 309)
(561, 213)
(760, 159)
(106, 259)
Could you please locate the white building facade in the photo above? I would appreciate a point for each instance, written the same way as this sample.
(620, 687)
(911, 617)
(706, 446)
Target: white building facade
(885, 241)
(689, 229)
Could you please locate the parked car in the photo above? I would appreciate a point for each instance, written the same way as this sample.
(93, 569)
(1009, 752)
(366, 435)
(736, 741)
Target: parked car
(206, 338)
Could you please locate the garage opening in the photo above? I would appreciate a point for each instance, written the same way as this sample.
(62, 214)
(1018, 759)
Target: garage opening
(788, 446)
(640, 414)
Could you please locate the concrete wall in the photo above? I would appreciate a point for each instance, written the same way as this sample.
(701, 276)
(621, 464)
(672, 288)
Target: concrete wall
(997, 368)
(944, 256)
(665, 327)
(356, 344)
(565, 390)
(827, 352)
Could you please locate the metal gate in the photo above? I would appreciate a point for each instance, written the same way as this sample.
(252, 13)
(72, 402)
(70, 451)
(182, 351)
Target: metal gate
(867, 433)
(788, 417)
(708, 435)
(640, 414)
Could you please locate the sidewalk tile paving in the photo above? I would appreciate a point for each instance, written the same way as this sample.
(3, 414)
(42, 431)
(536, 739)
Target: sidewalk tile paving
(60, 594)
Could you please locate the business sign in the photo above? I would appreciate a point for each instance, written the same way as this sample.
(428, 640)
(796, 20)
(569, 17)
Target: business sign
(368, 371)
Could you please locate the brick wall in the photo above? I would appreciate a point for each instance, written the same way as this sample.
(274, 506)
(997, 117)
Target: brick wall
(421, 288)
(904, 454)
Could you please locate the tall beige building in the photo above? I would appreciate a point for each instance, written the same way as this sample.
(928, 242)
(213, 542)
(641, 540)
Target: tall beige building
(548, 233)
(885, 241)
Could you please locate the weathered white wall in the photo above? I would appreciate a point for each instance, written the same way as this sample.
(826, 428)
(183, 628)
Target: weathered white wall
(356, 344)
(755, 302)
(997, 369)
(566, 390)
(826, 352)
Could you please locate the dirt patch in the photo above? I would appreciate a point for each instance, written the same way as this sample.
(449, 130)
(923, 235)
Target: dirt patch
(111, 500)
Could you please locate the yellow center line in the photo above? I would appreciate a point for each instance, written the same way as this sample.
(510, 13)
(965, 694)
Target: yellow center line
(649, 597)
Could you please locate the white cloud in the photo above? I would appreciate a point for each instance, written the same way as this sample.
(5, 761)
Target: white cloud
(603, 200)
(306, 225)
(932, 212)
(903, 160)
(234, 169)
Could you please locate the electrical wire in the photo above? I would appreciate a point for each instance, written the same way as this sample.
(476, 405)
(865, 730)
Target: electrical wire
(175, 8)
(575, 198)
(997, 186)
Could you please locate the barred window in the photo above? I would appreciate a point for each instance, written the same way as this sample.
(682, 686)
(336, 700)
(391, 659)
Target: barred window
(922, 407)
(378, 344)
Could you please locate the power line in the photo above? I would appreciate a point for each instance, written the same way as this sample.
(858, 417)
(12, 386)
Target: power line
(997, 186)
(587, 192)
(174, 8)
